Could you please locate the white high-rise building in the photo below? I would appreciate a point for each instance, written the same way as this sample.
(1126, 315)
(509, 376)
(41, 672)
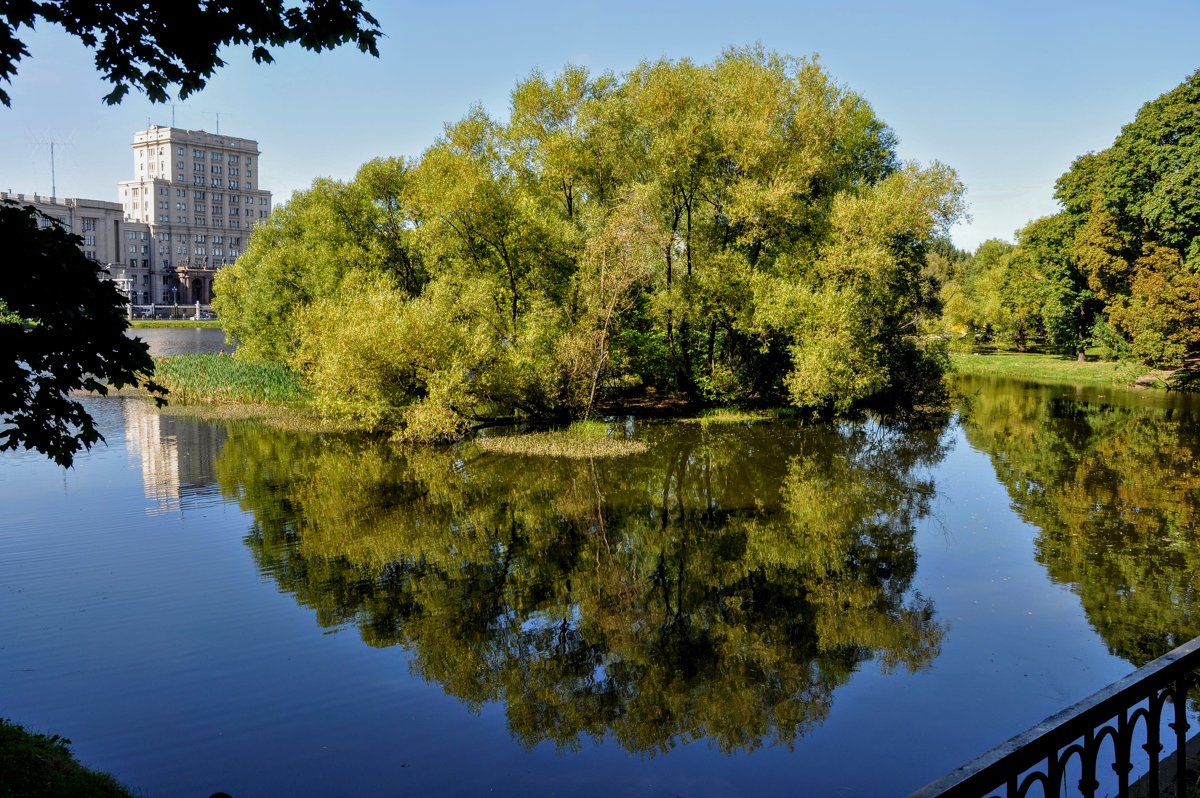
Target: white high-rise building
(188, 211)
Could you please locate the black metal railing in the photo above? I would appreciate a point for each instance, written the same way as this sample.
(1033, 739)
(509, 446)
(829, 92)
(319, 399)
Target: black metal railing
(1102, 731)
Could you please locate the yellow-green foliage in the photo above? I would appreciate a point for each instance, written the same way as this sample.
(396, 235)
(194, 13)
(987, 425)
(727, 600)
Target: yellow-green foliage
(735, 232)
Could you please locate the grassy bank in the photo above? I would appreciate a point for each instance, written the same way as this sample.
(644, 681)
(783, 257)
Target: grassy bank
(583, 439)
(217, 387)
(150, 323)
(1057, 370)
(42, 765)
(219, 379)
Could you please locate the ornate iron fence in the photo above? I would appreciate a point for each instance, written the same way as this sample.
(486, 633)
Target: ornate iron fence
(1103, 730)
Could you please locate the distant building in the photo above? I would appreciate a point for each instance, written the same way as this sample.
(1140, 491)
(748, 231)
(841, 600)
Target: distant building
(187, 212)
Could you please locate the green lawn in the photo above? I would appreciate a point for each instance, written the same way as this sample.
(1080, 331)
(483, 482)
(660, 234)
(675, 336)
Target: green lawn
(1055, 369)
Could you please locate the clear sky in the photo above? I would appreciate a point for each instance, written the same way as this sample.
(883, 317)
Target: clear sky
(1008, 93)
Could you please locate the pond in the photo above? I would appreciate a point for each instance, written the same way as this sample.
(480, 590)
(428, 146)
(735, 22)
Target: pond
(181, 340)
(746, 609)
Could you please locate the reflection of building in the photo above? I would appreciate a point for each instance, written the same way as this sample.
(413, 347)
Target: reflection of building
(177, 455)
(186, 213)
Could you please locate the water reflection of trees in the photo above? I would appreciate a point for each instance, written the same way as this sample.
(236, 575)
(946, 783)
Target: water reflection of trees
(720, 587)
(1113, 485)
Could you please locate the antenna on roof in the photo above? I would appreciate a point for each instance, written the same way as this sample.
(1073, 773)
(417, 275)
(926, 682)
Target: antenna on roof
(217, 132)
(53, 177)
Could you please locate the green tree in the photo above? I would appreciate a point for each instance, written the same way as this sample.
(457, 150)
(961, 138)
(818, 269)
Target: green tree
(307, 246)
(1136, 208)
(732, 232)
(62, 325)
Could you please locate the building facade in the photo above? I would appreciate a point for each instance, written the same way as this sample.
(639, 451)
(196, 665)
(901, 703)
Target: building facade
(188, 211)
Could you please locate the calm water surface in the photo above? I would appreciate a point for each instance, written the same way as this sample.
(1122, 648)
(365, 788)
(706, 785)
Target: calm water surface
(850, 609)
(165, 341)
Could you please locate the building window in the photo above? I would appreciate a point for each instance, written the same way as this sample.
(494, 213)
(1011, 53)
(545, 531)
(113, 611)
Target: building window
(199, 250)
(215, 169)
(216, 181)
(200, 238)
(180, 152)
(198, 154)
(199, 207)
(200, 222)
(233, 184)
(197, 167)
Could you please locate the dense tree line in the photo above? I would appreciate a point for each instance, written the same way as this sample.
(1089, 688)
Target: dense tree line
(1118, 267)
(732, 232)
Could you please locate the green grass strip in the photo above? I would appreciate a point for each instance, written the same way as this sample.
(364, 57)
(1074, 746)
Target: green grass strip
(1055, 369)
(582, 440)
(218, 378)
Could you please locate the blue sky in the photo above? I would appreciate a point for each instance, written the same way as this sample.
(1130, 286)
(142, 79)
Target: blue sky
(1006, 93)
